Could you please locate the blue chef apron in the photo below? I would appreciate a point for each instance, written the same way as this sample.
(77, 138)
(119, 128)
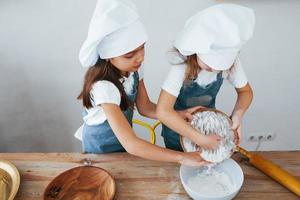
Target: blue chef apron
(191, 95)
(101, 138)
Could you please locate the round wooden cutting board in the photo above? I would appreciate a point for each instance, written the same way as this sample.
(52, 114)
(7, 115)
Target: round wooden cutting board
(82, 183)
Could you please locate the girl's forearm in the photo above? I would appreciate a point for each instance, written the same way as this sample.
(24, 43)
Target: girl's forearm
(146, 150)
(131, 142)
(172, 119)
(243, 102)
(149, 110)
(144, 105)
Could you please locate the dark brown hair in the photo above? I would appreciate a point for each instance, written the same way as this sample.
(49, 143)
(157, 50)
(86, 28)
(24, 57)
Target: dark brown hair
(103, 70)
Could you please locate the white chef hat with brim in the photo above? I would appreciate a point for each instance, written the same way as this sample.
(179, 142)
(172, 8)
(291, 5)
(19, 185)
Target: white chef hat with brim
(217, 34)
(115, 29)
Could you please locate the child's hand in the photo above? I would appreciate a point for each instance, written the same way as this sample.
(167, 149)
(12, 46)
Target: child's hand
(210, 141)
(187, 113)
(237, 126)
(193, 159)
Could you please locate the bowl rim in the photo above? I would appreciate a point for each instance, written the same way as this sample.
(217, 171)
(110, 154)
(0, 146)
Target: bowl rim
(204, 196)
(83, 166)
(202, 109)
(13, 172)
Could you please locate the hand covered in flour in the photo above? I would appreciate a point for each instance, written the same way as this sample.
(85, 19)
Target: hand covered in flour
(193, 159)
(237, 126)
(210, 141)
(187, 113)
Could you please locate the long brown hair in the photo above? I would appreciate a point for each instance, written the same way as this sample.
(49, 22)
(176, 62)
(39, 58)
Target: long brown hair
(191, 62)
(192, 69)
(103, 70)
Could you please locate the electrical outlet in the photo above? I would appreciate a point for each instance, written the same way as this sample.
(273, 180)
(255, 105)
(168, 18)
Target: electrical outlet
(270, 136)
(261, 136)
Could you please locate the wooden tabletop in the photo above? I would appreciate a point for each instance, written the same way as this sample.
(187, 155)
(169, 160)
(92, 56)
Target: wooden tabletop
(138, 178)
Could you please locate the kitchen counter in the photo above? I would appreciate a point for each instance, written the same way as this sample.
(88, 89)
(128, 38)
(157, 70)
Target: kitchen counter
(138, 178)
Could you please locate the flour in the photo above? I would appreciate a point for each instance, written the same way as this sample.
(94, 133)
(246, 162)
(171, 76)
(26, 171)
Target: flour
(211, 184)
(209, 122)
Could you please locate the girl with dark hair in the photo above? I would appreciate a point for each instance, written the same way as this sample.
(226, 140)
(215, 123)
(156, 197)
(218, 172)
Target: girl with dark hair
(113, 85)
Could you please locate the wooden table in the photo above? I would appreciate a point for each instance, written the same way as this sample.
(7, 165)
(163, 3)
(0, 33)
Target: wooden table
(138, 178)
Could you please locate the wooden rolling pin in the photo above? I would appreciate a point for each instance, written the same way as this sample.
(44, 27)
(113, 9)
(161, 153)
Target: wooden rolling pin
(275, 172)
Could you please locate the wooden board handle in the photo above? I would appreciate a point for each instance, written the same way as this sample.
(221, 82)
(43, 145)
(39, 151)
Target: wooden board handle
(273, 171)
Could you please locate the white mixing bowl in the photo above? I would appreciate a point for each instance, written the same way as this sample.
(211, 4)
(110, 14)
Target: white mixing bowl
(229, 166)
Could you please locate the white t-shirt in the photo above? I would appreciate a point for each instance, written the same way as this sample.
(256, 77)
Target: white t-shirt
(174, 81)
(105, 92)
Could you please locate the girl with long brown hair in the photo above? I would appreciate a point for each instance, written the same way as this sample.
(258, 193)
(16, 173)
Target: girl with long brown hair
(113, 85)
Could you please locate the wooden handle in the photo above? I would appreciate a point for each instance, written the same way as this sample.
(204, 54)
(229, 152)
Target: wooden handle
(273, 170)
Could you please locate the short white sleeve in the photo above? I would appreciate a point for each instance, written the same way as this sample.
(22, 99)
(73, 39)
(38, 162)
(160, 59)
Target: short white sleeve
(174, 80)
(141, 72)
(105, 92)
(236, 76)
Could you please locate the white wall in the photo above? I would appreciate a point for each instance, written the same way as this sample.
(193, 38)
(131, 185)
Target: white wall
(40, 74)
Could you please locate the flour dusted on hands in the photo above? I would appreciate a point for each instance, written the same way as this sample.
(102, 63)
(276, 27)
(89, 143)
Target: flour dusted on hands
(209, 122)
(212, 184)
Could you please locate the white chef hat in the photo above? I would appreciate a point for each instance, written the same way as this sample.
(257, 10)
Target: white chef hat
(115, 29)
(217, 34)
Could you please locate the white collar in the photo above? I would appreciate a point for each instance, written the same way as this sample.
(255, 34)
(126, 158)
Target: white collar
(128, 82)
(204, 77)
